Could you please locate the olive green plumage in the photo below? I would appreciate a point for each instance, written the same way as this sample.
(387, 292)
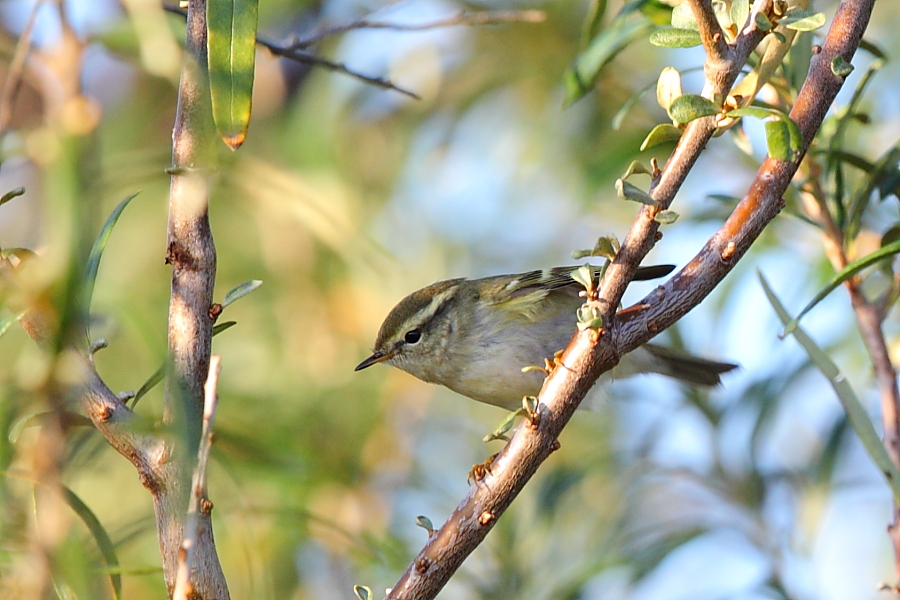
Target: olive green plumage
(474, 336)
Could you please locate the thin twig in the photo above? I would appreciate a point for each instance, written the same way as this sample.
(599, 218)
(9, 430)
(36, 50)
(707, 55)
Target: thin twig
(463, 17)
(200, 503)
(587, 357)
(306, 58)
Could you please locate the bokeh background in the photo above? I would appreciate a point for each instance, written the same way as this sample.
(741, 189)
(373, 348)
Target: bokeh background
(346, 197)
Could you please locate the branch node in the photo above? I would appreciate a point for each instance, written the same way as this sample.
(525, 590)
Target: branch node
(485, 518)
(422, 564)
(728, 251)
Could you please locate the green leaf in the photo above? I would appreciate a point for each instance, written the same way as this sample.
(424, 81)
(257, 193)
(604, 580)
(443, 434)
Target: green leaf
(231, 46)
(666, 217)
(763, 22)
(160, 373)
(631, 192)
(740, 10)
(14, 193)
(856, 414)
(803, 20)
(778, 140)
(93, 262)
(240, 291)
(841, 67)
(846, 273)
(363, 592)
(661, 134)
(685, 109)
(683, 17)
(636, 168)
(101, 537)
(670, 37)
(752, 111)
(579, 79)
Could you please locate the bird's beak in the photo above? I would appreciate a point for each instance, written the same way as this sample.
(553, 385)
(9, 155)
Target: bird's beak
(377, 357)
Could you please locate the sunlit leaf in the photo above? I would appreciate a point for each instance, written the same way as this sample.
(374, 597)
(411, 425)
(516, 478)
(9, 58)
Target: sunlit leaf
(668, 87)
(803, 20)
(240, 291)
(232, 53)
(688, 107)
(778, 140)
(740, 10)
(846, 273)
(661, 134)
(859, 418)
(670, 37)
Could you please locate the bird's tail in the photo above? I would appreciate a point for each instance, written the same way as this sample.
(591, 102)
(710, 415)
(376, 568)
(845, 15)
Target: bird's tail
(685, 367)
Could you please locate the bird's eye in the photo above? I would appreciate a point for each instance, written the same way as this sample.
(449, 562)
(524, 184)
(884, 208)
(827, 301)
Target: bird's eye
(413, 336)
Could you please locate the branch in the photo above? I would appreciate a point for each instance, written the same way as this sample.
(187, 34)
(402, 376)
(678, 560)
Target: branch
(198, 517)
(587, 356)
(711, 33)
(192, 253)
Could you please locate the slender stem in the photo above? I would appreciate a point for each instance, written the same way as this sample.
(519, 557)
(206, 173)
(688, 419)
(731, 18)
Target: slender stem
(192, 254)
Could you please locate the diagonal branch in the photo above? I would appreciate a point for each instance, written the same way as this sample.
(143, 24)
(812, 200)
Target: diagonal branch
(587, 356)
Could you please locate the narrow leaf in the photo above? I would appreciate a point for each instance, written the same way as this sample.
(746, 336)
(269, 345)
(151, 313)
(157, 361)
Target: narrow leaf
(685, 109)
(101, 537)
(846, 273)
(670, 37)
(93, 262)
(661, 134)
(240, 291)
(856, 414)
(580, 78)
(231, 47)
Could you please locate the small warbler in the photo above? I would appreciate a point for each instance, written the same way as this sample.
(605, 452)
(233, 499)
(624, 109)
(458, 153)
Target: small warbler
(475, 336)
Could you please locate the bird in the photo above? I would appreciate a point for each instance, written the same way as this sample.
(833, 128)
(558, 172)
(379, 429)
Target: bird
(474, 336)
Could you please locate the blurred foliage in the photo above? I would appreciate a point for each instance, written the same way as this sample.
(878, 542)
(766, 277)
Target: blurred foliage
(345, 197)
